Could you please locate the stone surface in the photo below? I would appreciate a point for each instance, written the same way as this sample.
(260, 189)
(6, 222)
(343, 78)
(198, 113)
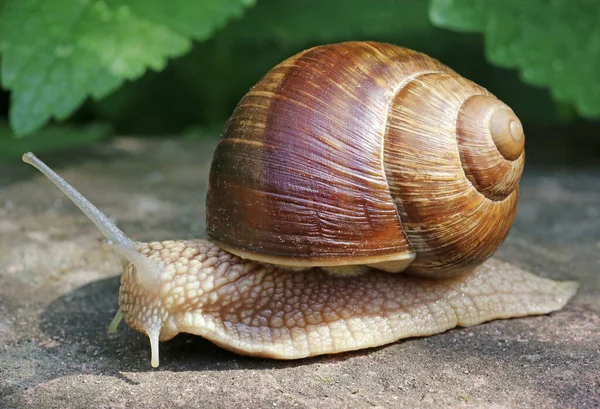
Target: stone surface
(59, 284)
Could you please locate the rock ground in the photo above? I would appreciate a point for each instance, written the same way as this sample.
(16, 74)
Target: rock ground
(59, 284)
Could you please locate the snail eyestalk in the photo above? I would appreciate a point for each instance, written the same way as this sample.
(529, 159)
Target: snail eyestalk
(148, 271)
(112, 328)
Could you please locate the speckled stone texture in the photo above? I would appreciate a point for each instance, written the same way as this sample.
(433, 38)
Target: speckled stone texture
(59, 288)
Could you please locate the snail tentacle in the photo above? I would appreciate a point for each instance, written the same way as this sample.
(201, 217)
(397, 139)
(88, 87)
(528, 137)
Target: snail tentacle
(148, 271)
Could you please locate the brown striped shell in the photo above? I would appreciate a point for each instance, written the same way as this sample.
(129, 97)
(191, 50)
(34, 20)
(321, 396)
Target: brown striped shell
(364, 153)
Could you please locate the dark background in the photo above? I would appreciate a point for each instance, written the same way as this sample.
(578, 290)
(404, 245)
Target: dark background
(196, 93)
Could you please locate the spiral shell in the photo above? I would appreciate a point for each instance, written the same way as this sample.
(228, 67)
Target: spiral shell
(366, 153)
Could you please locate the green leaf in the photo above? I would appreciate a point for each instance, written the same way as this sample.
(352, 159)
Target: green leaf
(56, 53)
(190, 18)
(554, 43)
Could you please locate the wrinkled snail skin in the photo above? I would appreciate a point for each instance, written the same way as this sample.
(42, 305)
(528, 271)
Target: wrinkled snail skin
(344, 164)
(266, 311)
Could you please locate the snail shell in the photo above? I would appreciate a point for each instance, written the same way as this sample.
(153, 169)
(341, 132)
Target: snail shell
(366, 153)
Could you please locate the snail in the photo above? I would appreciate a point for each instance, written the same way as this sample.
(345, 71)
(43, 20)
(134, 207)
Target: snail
(355, 198)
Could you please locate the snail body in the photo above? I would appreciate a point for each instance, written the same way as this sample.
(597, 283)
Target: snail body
(354, 200)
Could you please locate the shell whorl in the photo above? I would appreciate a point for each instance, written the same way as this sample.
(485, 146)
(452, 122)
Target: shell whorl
(491, 143)
(455, 191)
(349, 154)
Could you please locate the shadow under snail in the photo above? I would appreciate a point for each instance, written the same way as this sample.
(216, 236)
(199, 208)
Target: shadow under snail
(355, 199)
